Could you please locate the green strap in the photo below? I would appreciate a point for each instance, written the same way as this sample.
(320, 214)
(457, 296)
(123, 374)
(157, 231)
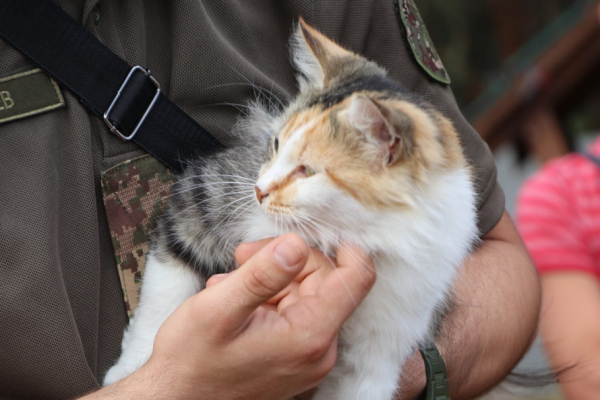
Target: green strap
(435, 371)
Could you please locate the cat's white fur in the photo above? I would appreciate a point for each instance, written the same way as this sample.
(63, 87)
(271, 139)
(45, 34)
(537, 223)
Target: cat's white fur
(166, 287)
(311, 72)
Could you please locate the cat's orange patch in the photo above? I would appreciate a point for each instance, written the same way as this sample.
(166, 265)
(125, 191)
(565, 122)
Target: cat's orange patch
(436, 146)
(299, 121)
(333, 148)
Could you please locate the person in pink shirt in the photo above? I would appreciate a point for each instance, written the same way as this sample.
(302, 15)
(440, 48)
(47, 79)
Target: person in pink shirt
(559, 219)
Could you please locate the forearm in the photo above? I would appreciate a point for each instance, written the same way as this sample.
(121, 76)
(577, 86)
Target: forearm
(494, 319)
(145, 383)
(570, 336)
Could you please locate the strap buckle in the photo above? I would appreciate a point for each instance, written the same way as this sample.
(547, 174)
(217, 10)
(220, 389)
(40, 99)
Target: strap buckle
(110, 125)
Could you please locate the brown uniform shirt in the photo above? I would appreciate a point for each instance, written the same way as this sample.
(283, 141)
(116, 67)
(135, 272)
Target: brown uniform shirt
(61, 307)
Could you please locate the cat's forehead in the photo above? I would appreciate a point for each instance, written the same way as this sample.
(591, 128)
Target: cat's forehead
(302, 123)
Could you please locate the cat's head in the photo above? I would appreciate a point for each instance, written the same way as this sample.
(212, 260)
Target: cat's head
(353, 139)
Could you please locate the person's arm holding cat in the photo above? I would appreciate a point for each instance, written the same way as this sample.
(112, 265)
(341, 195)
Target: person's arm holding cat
(494, 322)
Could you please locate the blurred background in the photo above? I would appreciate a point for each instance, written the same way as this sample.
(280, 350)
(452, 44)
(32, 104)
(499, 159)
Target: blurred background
(527, 76)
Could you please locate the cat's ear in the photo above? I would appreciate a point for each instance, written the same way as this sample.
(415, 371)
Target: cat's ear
(315, 56)
(389, 131)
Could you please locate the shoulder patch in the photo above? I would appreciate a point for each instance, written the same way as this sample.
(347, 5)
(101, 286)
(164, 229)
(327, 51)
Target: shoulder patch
(419, 41)
(27, 92)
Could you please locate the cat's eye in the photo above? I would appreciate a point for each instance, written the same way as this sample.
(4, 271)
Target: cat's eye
(309, 171)
(276, 144)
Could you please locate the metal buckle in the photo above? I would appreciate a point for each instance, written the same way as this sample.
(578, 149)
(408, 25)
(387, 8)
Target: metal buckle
(113, 128)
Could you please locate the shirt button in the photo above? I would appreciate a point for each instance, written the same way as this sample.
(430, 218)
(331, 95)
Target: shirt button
(96, 15)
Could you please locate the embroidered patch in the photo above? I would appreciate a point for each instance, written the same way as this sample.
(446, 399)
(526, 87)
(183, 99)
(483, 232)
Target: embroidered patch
(134, 194)
(27, 92)
(420, 42)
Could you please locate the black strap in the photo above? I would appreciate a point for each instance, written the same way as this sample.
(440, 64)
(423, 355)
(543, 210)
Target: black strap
(82, 64)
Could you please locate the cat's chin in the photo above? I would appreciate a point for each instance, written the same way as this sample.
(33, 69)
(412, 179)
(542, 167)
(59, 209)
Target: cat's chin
(272, 225)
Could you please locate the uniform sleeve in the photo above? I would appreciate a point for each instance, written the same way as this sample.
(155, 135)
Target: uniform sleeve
(372, 28)
(550, 225)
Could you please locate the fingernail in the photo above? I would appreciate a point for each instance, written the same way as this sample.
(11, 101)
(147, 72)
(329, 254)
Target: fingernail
(213, 280)
(287, 254)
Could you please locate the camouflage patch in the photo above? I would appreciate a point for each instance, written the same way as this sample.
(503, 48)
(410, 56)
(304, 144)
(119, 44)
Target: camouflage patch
(420, 42)
(134, 195)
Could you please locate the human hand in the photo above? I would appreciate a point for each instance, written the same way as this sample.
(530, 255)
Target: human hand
(224, 343)
(305, 283)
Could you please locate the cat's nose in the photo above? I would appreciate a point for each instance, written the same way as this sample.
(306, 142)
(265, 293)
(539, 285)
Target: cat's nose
(259, 194)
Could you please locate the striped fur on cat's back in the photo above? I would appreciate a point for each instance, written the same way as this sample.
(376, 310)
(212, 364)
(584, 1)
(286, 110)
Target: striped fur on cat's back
(353, 158)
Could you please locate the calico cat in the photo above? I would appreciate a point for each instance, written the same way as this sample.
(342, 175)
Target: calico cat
(353, 158)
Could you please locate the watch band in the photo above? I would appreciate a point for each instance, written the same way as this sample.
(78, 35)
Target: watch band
(437, 378)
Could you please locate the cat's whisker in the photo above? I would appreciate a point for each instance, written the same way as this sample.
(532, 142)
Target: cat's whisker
(201, 244)
(204, 217)
(251, 197)
(242, 109)
(272, 106)
(283, 223)
(275, 96)
(255, 86)
(210, 199)
(338, 274)
(248, 182)
(237, 214)
(336, 271)
(226, 217)
(206, 184)
(341, 279)
(301, 227)
(368, 269)
(199, 186)
(320, 229)
(249, 185)
(275, 108)
(211, 175)
(313, 218)
(239, 107)
(315, 223)
(226, 186)
(262, 89)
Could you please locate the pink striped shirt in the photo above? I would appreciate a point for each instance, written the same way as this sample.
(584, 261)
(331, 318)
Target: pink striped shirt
(558, 214)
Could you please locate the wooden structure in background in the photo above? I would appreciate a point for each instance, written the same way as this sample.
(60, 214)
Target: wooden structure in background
(530, 104)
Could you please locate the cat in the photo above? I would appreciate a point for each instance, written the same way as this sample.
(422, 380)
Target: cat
(353, 158)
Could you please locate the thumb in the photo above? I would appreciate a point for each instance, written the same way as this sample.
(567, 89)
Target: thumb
(213, 280)
(264, 275)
